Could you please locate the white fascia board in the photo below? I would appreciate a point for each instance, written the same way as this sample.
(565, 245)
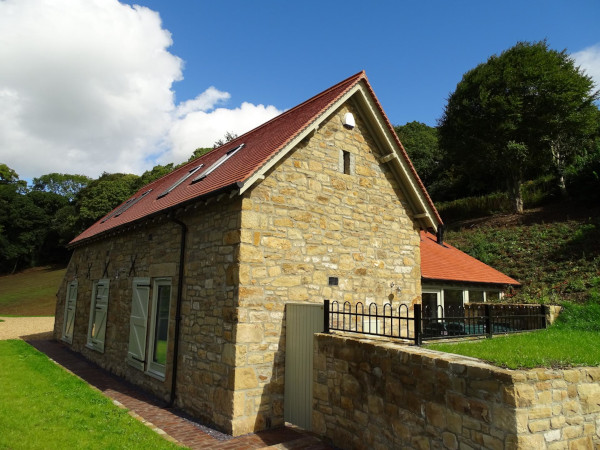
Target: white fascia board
(260, 173)
(420, 204)
(423, 210)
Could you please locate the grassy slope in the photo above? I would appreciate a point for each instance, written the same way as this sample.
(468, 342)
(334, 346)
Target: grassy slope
(557, 258)
(43, 406)
(554, 256)
(30, 293)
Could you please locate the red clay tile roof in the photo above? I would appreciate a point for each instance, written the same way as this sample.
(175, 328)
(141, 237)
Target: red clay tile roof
(260, 145)
(447, 263)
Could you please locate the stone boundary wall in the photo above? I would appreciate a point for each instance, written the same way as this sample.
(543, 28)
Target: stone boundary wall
(375, 394)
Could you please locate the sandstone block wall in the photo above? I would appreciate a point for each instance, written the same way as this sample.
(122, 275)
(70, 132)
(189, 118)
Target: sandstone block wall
(371, 394)
(306, 222)
(156, 252)
(205, 377)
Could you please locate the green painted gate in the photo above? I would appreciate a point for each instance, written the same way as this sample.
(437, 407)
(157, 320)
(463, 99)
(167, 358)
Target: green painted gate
(303, 320)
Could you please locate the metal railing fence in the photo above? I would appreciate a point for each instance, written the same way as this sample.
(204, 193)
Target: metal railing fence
(476, 319)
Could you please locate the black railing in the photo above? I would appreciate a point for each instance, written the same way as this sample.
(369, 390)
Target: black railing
(436, 323)
(373, 320)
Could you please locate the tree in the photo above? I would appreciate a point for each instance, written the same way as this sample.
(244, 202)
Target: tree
(421, 143)
(199, 152)
(229, 136)
(24, 221)
(9, 177)
(61, 183)
(155, 173)
(104, 194)
(518, 115)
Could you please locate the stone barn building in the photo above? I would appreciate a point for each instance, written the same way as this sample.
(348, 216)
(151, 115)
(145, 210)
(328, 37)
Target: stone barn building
(182, 289)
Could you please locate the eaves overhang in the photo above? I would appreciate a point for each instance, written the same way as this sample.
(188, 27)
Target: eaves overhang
(193, 203)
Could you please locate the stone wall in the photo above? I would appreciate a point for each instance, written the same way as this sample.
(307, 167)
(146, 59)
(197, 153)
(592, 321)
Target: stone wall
(379, 395)
(306, 222)
(156, 252)
(205, 377)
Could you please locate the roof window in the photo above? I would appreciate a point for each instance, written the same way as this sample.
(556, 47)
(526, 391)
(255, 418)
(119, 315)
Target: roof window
(217, 163)
(181, 180)
(131, 203)
(128, 204)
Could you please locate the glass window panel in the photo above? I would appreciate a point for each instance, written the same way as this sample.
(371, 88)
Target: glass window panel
(161, 328)
(475, 296)
(430, 304)
(453, 300)
(492, 295)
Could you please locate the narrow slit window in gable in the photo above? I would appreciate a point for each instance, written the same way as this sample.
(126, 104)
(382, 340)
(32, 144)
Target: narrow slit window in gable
(346, 156)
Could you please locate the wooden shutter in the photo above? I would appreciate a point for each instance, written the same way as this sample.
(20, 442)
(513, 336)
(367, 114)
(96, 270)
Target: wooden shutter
(138, 322)
(98, 315)
(70, 304)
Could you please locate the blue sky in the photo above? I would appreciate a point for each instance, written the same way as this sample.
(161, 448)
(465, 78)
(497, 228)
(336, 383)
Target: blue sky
(88, 86)
(414, 53)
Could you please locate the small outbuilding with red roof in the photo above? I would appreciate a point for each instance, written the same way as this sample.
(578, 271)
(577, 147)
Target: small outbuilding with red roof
(450, 278)
(183, 288)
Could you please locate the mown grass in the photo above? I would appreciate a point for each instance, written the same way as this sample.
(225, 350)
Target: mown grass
(574, 340)
(42, 406)
(30, 293)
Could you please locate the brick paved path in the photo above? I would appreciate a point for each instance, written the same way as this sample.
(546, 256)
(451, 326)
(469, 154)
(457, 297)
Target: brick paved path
(171, 421)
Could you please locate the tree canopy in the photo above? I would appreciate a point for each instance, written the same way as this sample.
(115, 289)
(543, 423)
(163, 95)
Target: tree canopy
(62, 184)
(421, 143)
(522, 113)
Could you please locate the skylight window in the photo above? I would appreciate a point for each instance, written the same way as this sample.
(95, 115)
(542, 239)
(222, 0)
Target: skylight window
(217, 163)
(117, 211)
(128, 204)
(131, 203)
(181, 180)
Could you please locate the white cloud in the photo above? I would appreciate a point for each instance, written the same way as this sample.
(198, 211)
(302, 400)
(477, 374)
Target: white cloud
(86, 87)
(589, 60)
(201, 129)
(204, 102)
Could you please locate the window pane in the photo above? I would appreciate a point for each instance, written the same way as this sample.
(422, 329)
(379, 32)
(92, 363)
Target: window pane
(161, 328)
(430, 304)
(492, 295)
(453, 300)
(475, 296)
(346, 162)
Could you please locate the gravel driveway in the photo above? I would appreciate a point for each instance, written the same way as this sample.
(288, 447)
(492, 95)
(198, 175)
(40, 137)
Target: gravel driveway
(29, 328)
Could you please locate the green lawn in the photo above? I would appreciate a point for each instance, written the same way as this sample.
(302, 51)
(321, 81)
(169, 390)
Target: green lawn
(43, 406)
(574, 340)
(30, 293)
(553, 347)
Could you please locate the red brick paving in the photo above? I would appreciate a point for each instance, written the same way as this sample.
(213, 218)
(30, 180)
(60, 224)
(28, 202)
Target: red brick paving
(172, 421)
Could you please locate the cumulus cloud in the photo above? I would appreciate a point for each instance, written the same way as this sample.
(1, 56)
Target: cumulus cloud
(86, 87)
(201, 129)
(589, 60)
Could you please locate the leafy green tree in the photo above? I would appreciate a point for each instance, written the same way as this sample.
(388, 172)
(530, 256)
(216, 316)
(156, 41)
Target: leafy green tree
(24, 222)
(522, 113)
(155, 173)
(61, 183)
(229, 136)
(102, 195)
(199, 152)
(9, 177)
(421, 143)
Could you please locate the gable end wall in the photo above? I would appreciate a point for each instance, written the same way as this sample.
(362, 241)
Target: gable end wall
(305, 222)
